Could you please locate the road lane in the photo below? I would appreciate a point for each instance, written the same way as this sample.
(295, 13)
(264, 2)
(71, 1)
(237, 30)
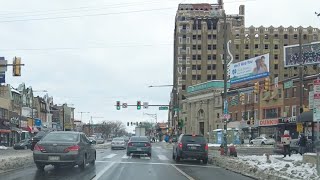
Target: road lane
(116, 164)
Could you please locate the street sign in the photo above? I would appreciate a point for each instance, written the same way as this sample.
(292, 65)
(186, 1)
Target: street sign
(145, 105)
(316, 100)
(311, 94)
(310, 54)
(299, 127)
(276, 81)
(176, 109)
(225, 109)
(226, 116)
(2, 78)
(124, 105)
(288, 84)
(163, 108)
(3, 65)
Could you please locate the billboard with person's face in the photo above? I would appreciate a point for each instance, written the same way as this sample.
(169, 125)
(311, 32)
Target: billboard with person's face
(251, 69)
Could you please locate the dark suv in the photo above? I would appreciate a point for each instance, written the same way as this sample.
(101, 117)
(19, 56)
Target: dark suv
(37, 138)
(190, 147)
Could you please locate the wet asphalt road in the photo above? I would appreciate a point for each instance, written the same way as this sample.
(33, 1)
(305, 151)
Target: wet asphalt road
(116, 165)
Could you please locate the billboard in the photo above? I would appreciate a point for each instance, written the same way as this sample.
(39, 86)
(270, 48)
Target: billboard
(247, 70)
(310, 54)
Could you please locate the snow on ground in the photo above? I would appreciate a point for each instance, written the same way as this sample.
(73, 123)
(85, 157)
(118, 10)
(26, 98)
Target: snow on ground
(3, 148)
(105, 145)
(11, 159)
(289, 167)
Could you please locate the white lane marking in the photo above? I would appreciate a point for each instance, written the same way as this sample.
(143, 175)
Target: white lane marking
(125, 157)
(110, 156)
(169, 164)
(163, 157)
(183, 173)
(158, 147)
(103, 171)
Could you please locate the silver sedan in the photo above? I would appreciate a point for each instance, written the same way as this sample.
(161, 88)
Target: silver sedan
(118, 143)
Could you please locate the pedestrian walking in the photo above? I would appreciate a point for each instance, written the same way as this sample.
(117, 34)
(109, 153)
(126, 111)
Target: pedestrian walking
(286, 140)
(302, 144)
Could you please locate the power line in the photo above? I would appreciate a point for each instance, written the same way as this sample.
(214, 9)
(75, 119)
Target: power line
(87, 15)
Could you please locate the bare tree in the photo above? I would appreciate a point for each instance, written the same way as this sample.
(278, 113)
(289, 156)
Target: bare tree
(113, 128)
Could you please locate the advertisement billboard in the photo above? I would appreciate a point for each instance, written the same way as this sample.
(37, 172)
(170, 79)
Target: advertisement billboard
(247, 70)
(310, 54)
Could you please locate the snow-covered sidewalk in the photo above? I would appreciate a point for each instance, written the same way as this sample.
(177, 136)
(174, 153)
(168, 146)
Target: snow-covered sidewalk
(12, 159)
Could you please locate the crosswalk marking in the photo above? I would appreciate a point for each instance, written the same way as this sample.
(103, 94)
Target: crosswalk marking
(163, 157)
(110, 156)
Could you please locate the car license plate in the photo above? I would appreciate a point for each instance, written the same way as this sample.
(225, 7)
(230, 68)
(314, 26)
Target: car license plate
(138, 149)
(54, 158)
(193, 147)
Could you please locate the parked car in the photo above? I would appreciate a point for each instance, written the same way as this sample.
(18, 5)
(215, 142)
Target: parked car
(23, 144)
(262, 141)
(37, 138)
(190, 147)
(139, 145)
(93, 140)
(118, 143)
(294, 147)
(64, 148)
(100, 140)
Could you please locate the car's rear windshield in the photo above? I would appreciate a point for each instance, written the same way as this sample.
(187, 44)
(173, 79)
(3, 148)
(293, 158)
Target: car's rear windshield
(63, 137)
(195, 139)
(118, 139)
(139, 138)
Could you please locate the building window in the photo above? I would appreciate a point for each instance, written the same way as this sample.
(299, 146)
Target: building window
(213, 77)
(294, 110)
(256, 46)
(199, 67)
(218, 115)
(285, 44)
(214, 36)
(209, 57)
(294, 92)
(266, 36)
(183, 87)
(184, 26)
(194, 57)
(209, 67)
(286, 111)
(237, 46)
(243, 115)
(247, 46)
(256, 55)
(286, 93)
(194, 67)
(209, 77)
(295, 36)
(214, 47)
(199, 47)
(198, 77)
(184, 77)
(276, 36)
(194, 37)
(209, 36)
(199, 37)
(271, 113)
(194, 77)
(255, 114)
(194, 47)
(266, 46)
(209, 47)
(285, 36)
(214, 57)
(184, 67)
(237, 56)
(279, 93)
(276, 66)
(199, 57)
(276, 46)
(285, 75)
(276, 56)
(246, 56)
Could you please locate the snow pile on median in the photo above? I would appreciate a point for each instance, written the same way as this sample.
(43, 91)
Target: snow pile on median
(103, 146)
(287, 168)
(14, 161)
(3, 147)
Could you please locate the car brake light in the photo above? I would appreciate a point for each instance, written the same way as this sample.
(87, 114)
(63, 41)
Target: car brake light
(72, 148)
(180, 145)
(147, 145)
(129, 144)
(39, 148)
(206, 147)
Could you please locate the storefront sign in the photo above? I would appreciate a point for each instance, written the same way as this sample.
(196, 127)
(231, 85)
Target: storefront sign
(268, 122)
(24, 124)
(288, 120)
(299, 127)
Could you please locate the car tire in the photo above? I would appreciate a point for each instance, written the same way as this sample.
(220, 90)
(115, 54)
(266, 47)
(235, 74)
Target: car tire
(251, 142)
(83, 164)
(93, 160)
(205, 161)
(40, 166)
(262, 143)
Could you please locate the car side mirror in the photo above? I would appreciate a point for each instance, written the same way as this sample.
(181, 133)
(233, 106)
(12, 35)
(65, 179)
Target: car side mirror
(93, 142)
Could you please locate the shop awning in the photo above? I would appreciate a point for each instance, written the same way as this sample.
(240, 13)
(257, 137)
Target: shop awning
(5, 131)
(305, 117)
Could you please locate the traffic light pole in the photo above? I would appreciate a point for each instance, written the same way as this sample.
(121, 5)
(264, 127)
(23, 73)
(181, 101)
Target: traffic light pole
(225, 78)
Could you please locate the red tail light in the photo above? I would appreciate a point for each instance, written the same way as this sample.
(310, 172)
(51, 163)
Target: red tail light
(39, 148)
(147, 145)
(129, 144)
(72, 148)
(206, 147)
(180, 145)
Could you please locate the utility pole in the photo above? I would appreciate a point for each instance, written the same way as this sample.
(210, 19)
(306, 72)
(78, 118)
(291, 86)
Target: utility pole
(82, 113)
(225, 77)
(63, 118)
(301, 68)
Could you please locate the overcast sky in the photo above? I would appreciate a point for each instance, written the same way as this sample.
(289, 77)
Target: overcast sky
(91, 53)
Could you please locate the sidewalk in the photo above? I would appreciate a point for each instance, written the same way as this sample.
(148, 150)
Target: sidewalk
(12, 159)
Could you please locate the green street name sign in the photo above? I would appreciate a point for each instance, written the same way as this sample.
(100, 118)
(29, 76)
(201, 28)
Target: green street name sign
(207, 85)
(163, 108)
(288, 84)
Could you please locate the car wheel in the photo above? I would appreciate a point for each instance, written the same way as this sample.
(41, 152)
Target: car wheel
(40, 166)
(93, 160)
(262, 143)
(294, 151)
(251, 142)
(205, 161)
(84, 163)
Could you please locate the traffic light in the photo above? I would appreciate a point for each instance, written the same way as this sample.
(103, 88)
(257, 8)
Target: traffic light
(251, 121)
(256, 88)
(118, 105)
(266, 84)
(128, 124)
(16, 71)
(138, 105)
(248, 122)
(242, 96)
(131, 123)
